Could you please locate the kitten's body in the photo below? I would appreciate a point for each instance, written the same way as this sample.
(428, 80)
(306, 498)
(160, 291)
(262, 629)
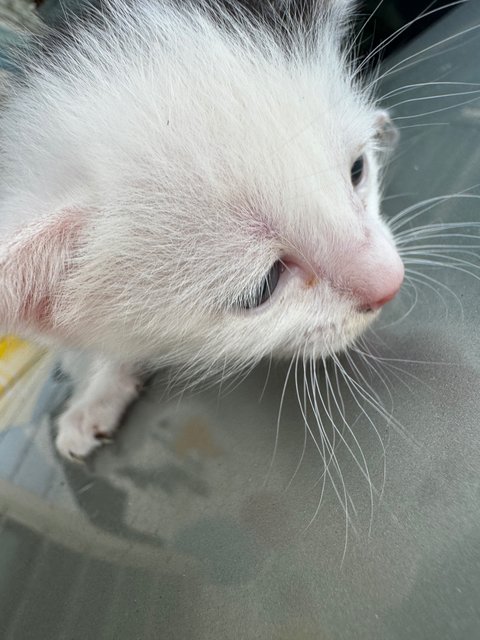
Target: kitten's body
(156, 168)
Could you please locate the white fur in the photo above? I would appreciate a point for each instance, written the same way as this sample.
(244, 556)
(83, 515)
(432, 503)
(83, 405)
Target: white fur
(191, 156)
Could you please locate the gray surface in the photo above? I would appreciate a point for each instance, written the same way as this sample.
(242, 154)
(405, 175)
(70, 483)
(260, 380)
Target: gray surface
(180, 531)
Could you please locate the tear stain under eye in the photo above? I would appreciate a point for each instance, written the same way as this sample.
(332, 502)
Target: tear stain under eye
(311, 282)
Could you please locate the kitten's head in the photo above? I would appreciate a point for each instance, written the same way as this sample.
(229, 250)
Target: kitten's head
(224, 190)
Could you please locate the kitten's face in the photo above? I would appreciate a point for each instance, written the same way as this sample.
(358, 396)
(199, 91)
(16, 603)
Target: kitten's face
(336, 266)
(279, 250)
(209, 196)
(308, 273)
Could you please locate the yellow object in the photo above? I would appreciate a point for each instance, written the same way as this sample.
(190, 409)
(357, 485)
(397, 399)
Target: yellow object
(16, 358)
(24, 367)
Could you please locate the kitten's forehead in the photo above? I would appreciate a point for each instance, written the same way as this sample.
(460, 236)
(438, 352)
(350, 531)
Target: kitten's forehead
(227, 108)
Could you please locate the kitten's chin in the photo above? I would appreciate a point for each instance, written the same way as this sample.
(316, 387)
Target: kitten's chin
(327, 339)
(351, 329)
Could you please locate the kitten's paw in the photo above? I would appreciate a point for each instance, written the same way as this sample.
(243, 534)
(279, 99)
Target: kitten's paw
(95, 413)
(84, 427)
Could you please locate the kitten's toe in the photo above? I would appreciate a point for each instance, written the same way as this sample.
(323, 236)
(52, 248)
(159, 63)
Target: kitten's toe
(83, 429)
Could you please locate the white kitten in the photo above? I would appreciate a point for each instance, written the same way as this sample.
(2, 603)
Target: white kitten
(181, 186)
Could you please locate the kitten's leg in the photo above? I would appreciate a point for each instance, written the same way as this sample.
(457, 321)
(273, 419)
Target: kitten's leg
(95, 412)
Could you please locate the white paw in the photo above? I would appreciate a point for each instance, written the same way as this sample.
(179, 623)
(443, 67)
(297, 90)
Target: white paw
(84, 427)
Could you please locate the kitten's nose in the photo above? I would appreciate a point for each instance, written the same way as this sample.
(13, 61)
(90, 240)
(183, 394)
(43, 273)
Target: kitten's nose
(374, 305)
(373, 274)
(381, 283)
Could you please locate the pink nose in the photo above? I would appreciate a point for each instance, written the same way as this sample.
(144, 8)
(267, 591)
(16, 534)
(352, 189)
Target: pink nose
(370, 274)
(374, 305)
(375, 275)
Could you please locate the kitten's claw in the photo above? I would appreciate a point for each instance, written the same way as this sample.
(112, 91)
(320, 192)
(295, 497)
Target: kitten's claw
(104, 438)
(75, 458)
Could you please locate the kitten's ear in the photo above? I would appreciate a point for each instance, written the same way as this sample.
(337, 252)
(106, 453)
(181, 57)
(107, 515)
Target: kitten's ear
(33, 267)
(387, 132)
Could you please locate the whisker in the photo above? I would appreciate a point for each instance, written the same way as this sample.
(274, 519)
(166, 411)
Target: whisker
(344, 498)
(279, 417)
(363, 465)
(432, 97)
(421, 85)
(266, 378)
(424, 14)
(431, 202)
(425, 280)
(439, 110)
(400, 66)
(454, 263)
(402, 318)
(375, 406)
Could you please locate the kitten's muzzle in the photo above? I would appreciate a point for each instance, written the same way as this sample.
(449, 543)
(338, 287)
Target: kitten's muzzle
(371, 275)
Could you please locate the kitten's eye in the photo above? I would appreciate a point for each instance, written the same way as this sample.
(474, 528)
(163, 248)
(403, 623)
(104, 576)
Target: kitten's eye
(265, 288)
(357, 170)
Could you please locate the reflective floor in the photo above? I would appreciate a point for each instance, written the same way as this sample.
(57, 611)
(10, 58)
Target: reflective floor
(210, 517)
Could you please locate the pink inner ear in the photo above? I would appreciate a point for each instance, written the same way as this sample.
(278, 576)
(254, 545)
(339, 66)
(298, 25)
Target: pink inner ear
(35, 263)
